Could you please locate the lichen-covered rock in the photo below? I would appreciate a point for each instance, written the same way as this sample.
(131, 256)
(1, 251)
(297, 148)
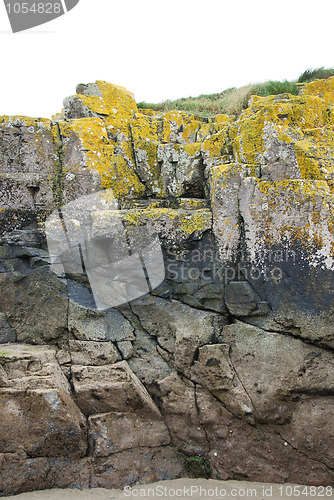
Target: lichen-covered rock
(85, 143)
(320, 88)
(28, 166)
(114, 104)
(228, 361)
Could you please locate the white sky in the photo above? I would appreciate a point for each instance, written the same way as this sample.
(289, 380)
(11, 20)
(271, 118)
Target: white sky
(161, 49)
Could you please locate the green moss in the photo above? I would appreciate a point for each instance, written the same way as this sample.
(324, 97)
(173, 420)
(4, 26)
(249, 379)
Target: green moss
(198, 467)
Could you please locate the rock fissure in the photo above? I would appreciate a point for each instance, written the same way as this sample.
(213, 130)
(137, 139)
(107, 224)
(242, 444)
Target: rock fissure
(303, 453)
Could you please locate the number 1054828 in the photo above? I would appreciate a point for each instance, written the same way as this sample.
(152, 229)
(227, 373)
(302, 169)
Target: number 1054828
(35, 8)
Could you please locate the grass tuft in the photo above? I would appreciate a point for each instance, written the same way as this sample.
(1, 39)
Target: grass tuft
(315, 74)
(233, 100)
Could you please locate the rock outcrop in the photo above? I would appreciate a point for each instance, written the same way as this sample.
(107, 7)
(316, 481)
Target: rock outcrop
(229, 362)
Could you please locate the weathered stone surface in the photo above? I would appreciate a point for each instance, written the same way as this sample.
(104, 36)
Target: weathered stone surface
(217, 148)
(19, 474)
(147, 465)
(215, 371)
(275, 370)
(26, 190)
(146, 362)
(38, 416)
(35, 305)
(115, 432)
(7, 334)
(242, 300)
(178, 328)
(114, 104)
(170, 169)
(249, 453)
(26, 145)
(83, 352)
(118, 389)
(181, 169)
(125, 347)
(312, 413)
(87, 324)
(171, 224)
(179, 407)
(172, 127)
(89, 155)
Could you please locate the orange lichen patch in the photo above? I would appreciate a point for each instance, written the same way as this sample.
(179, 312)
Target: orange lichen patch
(223, 173)
(222, 119)
(315, 154)
(247, 137)
(147, 128)
(92, 131)
(182, 124)
(192, 148)
(121, 177)
(205, 130)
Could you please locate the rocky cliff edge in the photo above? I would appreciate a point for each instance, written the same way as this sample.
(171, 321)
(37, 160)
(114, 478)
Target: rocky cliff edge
(226, 369)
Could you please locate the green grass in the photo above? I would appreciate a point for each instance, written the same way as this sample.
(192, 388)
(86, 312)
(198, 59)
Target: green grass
(315, 74)
(232, 101)
(275, 88)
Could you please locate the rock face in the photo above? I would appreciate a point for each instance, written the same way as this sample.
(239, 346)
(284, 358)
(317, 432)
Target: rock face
(229, 361)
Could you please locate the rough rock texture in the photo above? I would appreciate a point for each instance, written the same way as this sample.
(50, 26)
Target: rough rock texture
(229, 362)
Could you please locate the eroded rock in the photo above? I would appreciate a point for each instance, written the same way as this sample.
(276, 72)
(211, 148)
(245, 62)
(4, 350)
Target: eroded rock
(229, 361)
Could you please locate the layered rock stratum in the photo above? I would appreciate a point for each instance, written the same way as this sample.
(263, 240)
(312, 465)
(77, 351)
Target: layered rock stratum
(227, 366)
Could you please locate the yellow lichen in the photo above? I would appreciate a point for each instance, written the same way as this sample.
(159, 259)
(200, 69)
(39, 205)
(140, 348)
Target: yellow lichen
(185, 220)
(320, 88)
(114, 162)
(217, 147)
(116, 107)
